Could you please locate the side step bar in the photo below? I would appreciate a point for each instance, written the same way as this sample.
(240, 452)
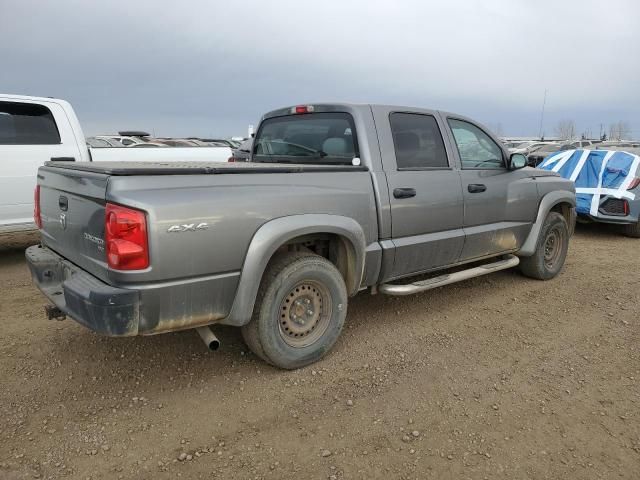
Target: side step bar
(416, 287)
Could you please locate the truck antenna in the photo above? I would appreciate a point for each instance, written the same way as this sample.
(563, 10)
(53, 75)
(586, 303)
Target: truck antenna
(544, 101)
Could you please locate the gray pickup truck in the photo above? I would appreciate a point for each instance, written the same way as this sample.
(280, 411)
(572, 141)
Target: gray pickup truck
(337, 198)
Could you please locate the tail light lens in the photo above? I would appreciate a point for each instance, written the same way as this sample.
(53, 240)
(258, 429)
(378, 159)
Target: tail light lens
(37, 214)
(231, 159)
(126, 238)
(634, 183)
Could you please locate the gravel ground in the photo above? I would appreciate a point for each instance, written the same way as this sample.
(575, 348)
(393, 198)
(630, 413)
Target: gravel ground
(496, 377)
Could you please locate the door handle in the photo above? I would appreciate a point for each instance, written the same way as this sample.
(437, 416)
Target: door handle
(404, 192)
(63, 159)
(476, 187)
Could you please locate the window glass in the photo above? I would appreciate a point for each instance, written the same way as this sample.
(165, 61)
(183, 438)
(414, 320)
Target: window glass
(27, 124)
(313, 137)
(476, 148)
(97, 142)
(417, 141)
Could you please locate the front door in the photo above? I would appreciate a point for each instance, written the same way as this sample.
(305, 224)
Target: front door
(425, 192)
(500, 205)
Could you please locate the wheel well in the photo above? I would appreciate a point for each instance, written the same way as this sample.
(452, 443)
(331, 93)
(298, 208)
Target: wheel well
(564, 209)
(335, 248)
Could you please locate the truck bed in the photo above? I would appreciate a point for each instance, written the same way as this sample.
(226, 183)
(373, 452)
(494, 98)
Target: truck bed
(193, 273)
(196, 168)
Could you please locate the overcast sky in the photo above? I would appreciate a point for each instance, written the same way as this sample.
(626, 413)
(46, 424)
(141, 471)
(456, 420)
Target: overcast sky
(210, 68)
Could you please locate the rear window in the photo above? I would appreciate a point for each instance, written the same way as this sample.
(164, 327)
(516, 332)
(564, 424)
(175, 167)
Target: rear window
(27, 124)
(307, 138)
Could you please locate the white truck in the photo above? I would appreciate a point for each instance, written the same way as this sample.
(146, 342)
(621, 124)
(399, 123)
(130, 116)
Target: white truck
(35, 130)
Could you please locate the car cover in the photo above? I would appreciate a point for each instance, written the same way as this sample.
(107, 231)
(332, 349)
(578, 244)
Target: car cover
(596, 173)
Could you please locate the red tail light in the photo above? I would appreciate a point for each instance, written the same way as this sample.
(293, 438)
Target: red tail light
(231, 159)
(634, 183)
(126, 238)
(37, 214)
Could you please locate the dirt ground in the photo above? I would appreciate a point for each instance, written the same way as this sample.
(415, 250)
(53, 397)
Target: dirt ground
(497, 377)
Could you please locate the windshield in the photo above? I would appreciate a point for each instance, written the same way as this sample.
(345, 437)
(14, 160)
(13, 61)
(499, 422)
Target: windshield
(307, 138)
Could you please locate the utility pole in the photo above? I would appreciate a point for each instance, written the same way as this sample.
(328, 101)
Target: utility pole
(544, 101)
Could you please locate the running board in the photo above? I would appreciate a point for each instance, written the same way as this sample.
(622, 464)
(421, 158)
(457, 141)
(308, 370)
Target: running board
(421, 286)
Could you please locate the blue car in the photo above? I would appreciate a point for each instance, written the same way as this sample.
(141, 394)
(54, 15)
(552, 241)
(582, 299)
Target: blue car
(607, 184)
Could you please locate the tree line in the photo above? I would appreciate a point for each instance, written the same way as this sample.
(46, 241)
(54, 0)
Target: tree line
(566, 130)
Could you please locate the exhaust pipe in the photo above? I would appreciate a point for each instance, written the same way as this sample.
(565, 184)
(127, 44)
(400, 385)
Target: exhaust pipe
(209, 338)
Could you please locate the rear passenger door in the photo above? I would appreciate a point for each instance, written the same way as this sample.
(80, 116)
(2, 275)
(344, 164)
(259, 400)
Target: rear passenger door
(500, 205)
(424, 189)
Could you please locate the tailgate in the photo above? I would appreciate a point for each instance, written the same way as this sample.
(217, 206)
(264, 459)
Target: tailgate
(72, 207)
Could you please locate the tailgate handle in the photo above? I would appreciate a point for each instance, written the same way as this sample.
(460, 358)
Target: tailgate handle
(63, 159)
(63, 203)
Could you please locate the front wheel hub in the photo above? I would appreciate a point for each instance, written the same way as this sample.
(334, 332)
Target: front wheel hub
(552, 247)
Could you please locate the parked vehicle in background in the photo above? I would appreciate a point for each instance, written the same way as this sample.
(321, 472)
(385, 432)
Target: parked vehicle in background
(195, 142)
(178, 142)
(528, 147)
(518, 147)
(584, 143)
(337, 198)
(538, 154)
(217, 141)
(103, 142)
(170, 142)
(607, 185)
(34, 130)
(139, 153)
(633, 148)
(607, 145)
(125, 140)
(513, 145)
(243, 152)
(147, 145)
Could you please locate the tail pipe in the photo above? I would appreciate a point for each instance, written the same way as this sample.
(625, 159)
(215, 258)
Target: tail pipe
(209, 338)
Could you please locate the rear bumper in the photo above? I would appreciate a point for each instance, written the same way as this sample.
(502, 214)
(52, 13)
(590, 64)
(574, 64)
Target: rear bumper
(142, 309)
(105, 309)
(602, 217)
(626, 220)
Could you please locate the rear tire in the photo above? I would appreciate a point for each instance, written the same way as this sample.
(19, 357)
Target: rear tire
(632, 230)
(551, 250)
(299, 312)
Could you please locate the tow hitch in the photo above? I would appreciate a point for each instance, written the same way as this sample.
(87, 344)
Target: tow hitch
(54, 313)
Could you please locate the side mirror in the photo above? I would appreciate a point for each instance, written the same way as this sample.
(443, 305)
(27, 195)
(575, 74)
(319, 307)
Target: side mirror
(516, 161)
